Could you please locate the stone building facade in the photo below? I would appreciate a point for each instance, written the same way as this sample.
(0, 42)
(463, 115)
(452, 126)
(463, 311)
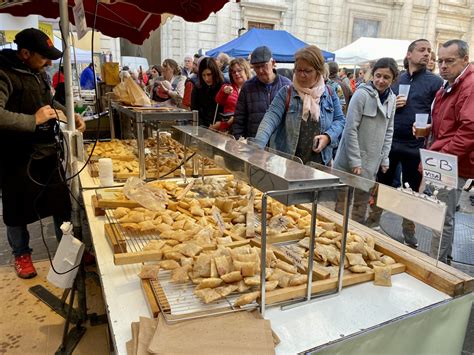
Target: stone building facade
(329, 24)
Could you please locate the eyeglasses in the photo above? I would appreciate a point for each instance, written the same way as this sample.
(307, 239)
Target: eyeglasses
(447, 61)
(304, 72)
(236, 71)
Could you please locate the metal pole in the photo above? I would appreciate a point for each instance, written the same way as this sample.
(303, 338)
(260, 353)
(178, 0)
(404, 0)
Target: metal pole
(314, 211)
(263, 250)
(345, 229)
(64, 23)
(141, 145)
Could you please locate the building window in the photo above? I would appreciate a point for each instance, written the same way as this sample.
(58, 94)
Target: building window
(261, 25)
(365, 28)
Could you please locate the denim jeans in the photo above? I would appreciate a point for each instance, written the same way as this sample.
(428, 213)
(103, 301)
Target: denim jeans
(19, 237)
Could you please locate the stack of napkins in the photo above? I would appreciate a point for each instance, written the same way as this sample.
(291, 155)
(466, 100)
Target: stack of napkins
(234, 333)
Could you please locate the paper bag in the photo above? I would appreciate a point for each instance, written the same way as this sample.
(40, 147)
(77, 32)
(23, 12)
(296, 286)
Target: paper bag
(121, 93)
(110, 73)
(68, 255)
(136, 94)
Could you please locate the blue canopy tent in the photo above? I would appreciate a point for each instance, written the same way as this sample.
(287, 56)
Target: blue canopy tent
(283, 45)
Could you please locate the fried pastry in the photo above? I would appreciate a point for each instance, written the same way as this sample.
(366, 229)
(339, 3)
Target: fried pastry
(247, 298)
(383, 276)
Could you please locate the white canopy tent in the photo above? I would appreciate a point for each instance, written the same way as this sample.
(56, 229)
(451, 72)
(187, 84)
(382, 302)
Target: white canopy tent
(366, 49)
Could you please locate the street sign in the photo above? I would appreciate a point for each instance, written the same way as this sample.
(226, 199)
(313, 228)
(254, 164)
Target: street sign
(439, 169)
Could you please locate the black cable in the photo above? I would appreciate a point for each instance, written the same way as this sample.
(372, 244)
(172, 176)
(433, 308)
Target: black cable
(59, 160)
(179, 166)
(41, 227)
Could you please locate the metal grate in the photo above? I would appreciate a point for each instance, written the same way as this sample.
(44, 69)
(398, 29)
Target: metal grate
(129, 241)
(177, 302)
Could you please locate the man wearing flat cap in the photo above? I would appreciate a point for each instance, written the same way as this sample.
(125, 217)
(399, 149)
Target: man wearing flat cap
(33, 180)
(257, 93)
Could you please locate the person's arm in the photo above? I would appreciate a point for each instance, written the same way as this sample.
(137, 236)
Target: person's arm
(12, 121)
(273, 118)
(462, 143)
(221, 96)
(351, 130)
(239, 127)
(194, 99)
(338, 122)
(178, 93)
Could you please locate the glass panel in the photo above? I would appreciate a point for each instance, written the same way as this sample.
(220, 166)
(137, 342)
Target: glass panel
(408, 217)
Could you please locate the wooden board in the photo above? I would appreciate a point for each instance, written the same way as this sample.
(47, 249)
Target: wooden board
(441, 276)
(113, 203)
(114, 237)
(288, 293)
(150, 297)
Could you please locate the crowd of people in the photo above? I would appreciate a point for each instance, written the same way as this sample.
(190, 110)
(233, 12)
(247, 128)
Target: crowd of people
(361, 122)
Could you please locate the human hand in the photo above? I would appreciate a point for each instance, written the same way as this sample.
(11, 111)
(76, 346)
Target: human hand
(228, 90)
(422, 132)
(215, 126)
(44, 114)
(383, 168)
(323, 141)
(80, 123)
(357, 170)
(401, 101)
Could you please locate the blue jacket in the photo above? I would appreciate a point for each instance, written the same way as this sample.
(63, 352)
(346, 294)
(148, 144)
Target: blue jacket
(283, 132)
(253, 101)
(87, 79)
(423, 88)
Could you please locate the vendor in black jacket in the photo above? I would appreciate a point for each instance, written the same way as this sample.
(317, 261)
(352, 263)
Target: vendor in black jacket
(33, 184)
(405, 147)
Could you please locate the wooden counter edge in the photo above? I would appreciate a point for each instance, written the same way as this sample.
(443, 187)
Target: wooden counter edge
(442, 277)
(284, 294)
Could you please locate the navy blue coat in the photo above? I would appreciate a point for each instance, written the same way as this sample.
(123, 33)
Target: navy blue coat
(253, 102)
(423, 88)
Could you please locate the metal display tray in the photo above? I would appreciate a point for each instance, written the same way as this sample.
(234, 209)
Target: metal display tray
(261, 169)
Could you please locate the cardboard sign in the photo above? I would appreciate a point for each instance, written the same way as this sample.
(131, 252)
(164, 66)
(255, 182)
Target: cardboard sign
(439, 169)
(80, 19)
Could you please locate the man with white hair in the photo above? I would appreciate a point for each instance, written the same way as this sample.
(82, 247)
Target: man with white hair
(222, 61)
(257, 93)
(452, 131)
(187, 69)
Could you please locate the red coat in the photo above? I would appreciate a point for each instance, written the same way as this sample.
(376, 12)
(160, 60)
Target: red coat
(453, 122)
(228, 101)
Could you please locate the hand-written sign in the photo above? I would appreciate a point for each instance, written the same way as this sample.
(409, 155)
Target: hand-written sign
(440, 169)
(218, 218)
(295, 258)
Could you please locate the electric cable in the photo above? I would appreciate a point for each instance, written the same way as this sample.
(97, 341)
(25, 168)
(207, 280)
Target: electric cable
(59, 159)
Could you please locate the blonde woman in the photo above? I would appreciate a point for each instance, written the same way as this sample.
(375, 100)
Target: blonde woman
(228, 94)
(310, 124)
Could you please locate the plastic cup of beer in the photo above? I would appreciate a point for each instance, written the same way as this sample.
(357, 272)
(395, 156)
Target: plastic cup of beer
(421, 125)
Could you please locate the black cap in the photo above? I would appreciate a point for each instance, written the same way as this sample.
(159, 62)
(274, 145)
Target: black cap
(37, 41)
(260, 55)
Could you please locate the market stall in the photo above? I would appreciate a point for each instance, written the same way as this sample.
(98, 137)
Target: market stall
(424, 298)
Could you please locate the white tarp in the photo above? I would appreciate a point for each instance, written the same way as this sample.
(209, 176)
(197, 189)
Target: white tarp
(365, 49)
